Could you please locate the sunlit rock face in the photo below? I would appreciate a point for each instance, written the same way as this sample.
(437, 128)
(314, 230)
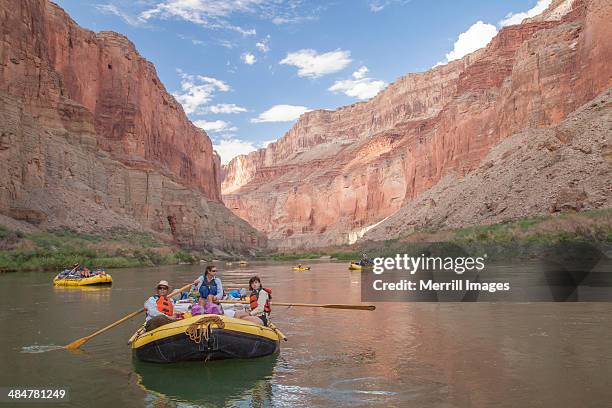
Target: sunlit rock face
(337, 173)
(91, 139)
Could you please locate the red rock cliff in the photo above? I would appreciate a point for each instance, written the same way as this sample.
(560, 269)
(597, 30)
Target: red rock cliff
(135, 118)
(90, 139)
(336, 174)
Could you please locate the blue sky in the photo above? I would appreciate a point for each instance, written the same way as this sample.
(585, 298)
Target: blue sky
(245, 69)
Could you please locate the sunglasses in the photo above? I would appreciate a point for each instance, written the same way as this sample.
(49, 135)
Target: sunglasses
(162, 288)
(213, 270)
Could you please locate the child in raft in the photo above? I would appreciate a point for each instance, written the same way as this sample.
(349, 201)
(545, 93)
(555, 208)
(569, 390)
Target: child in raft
(259, 302)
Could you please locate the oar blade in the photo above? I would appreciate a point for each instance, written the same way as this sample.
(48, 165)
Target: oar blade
(77, 343)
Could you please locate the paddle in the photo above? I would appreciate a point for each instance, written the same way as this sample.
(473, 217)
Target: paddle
(79, 342)
(340, 306)
(69, 272)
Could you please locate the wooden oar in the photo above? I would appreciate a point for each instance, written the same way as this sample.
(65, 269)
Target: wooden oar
(78, 343)
(337, 306)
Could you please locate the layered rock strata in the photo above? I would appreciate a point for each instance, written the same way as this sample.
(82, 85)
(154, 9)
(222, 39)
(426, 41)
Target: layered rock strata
(337, 174)
(90, 139)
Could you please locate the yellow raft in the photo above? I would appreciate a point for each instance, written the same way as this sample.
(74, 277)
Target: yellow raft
(304, 268)
(243, 263)
(356, 267)
(205, 337)
(96, 280)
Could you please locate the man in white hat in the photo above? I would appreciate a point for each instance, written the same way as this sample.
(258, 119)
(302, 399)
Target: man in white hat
(159, 308)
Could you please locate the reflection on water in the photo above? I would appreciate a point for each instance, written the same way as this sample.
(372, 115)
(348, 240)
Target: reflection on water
(215, 383)
(403, 354)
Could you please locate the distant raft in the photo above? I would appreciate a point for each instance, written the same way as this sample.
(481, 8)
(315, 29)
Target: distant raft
(301, 268)
(205, 337)
(356, 267)
(243, 263)
(96, 280)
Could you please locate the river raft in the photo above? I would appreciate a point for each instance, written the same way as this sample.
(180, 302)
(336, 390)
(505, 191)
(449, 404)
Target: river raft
(205, 337)
(356, 267)
(96, 280)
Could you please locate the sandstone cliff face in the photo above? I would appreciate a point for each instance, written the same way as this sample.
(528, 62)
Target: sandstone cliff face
(570, 164)
(90, 139)
(336, 174)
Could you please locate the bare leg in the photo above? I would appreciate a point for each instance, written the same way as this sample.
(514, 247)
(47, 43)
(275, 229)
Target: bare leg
(240, 314)
(254, 319)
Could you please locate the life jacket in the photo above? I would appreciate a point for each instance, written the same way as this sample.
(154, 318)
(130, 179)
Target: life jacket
(164, 305)
(255, 296)
(213, 289)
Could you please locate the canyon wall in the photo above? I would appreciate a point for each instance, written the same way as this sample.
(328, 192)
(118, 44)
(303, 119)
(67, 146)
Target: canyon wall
(336, 175)
(90, 139)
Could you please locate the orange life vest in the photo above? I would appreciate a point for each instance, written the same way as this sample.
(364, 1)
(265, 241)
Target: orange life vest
(165, 306)
(255, 295)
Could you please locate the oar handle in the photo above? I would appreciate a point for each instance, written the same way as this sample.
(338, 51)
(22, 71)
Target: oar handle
(332, 306)
(78, 343)
(117, 323)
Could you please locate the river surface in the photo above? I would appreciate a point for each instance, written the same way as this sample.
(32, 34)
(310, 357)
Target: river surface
(402, 354)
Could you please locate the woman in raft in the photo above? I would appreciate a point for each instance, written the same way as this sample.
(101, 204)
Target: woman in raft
(259, 302)
(210, 289)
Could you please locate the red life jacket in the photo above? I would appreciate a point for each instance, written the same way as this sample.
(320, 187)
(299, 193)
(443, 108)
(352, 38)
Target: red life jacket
(165, 306)
(255, 296)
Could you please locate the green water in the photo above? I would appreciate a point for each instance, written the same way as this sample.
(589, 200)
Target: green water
(422, 355)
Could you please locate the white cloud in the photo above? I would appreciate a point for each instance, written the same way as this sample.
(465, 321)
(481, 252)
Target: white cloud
(281, 20)
(360, 73)
(215, 126)
(312, 64)
(127, 18)
(477, 36)
(480, 33)
(281, 113)
(265, 143)
(360, 86)
(219, 14)
(516, 18)
(197, 91)
(379, 5)
(227, 44)
(212, 14)
(224, 108)
(248, 58)
(228, 148)
(194, 41)
(263, 45)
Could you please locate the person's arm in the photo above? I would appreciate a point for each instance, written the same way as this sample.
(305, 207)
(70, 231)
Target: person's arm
(219, 289)
(151, 307)
(198, 283)
(261, 302)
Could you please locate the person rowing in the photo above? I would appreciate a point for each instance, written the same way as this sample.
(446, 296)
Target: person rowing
(68, 272)
(365, 260)
(259, 303)
(159, 308)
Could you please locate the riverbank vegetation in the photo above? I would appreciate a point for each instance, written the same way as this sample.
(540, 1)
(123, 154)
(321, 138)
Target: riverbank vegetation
(119, 248)
(524, 238)
(58, 249)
